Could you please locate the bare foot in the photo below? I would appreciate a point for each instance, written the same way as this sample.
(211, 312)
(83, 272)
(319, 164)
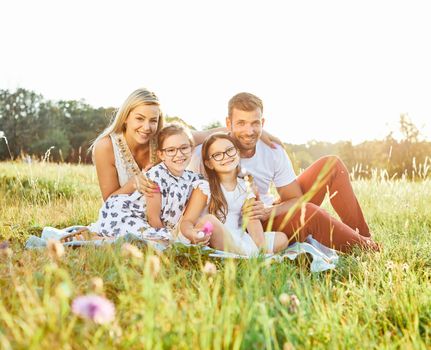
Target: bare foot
(82, 234)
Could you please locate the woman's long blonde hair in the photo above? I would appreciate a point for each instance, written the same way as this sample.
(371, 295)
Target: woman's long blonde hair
(138, 97)
(217, 205)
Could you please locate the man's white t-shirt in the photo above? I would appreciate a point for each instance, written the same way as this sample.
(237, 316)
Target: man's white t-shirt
(266, 166)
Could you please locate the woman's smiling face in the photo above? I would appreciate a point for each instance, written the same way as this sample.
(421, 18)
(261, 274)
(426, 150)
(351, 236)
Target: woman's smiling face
(141, 123)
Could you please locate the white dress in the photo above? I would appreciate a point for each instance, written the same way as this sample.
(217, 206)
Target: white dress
(243, 243)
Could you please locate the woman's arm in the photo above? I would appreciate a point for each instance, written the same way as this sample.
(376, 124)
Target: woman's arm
(193, 211)
(107, 172)
(107, 175)
(154, 208)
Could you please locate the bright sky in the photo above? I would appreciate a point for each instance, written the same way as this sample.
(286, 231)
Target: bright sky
(326, 70)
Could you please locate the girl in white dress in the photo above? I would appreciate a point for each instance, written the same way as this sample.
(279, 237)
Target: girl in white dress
(221, 199)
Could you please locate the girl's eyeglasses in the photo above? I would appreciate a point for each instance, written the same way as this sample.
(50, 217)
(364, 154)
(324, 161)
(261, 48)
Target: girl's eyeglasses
(219, 156)
(172, 151)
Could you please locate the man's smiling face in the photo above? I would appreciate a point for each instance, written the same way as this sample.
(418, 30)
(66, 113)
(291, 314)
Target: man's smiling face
(246, 127)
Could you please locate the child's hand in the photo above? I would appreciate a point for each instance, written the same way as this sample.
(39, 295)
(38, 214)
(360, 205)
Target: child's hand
(198, 238)
(254, 209)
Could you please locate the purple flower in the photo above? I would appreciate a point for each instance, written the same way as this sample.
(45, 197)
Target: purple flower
(94, 307)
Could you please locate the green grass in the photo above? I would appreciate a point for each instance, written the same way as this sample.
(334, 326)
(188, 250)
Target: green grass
(370, 301)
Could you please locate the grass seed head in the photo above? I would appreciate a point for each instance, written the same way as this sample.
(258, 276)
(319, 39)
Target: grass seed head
(131, 251)
(55, 249)
(154, 265)
(284, 299)
(293, 304)
(96, 285)
(209, 269)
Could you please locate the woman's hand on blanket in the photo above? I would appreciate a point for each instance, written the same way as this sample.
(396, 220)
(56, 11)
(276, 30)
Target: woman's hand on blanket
(144, 185)
(254, 210)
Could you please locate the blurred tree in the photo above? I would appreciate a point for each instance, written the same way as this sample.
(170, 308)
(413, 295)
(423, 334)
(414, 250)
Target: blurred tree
(212, 125)
(409, 130)
(18, 115)
(174, 119)
(33, 125)
(54, 143)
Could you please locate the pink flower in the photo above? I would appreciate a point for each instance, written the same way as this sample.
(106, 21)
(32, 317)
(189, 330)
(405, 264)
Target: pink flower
(94, 307)
(208, 228)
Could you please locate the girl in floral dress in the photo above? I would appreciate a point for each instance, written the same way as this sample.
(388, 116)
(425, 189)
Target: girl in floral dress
(154, 217)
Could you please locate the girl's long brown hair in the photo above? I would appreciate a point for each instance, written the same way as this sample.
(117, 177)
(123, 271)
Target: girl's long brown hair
(217, 205)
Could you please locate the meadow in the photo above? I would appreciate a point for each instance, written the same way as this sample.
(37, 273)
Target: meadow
(180, 301)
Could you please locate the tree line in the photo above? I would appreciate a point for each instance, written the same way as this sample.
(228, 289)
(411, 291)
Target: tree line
(31, 125)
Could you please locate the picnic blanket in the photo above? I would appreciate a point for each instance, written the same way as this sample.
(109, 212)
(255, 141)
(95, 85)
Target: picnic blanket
(322, 257)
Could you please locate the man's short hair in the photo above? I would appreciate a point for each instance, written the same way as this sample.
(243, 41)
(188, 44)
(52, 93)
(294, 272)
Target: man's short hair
(244, 101)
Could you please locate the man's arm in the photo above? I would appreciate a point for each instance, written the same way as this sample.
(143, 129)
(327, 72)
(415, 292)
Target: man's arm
(200, 136)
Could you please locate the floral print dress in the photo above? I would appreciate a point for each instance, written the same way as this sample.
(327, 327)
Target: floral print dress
(126, 213)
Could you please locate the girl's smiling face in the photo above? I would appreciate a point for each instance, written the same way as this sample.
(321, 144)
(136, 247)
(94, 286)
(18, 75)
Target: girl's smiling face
(176, 153)
(223, 156)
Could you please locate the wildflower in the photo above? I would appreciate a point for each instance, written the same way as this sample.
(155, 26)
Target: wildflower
(208, 228)
(5, 251)
(284, 299)
(405, 267)
(293, 304)
(55, 249)
(390, 265)
(209, 269)
(93, 307)
(154, 265)
(130, 251)
(96, 284)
